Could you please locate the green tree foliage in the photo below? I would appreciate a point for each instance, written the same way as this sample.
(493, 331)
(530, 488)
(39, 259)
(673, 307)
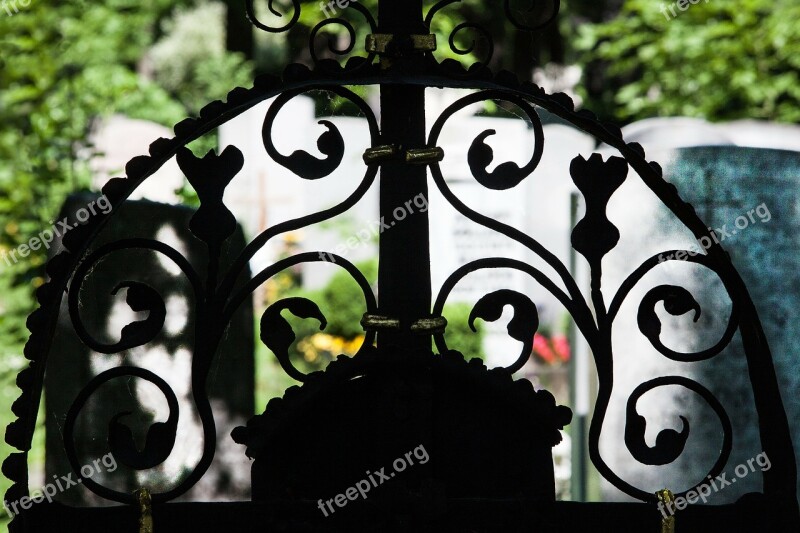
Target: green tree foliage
(459, 336)
(718, 60)
(61, 69)
(203, 71)
(63, 66)
(343, 302)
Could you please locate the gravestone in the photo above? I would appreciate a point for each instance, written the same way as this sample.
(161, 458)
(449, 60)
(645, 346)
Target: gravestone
(726, 185)
(748, 193)
(71, 364)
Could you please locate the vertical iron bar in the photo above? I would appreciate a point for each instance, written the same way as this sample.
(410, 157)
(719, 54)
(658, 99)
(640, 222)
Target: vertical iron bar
(404, 280)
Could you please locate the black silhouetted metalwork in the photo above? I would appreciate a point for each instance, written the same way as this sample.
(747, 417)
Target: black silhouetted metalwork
(489, 437)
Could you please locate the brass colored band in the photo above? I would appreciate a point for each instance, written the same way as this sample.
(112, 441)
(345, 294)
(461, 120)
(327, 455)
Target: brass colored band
(435, 324)
(378, 43)
(424, 156)
(377, 322)
(380, 154)
(145, 510)
(666, 499)
(422, 326)
(418, 156)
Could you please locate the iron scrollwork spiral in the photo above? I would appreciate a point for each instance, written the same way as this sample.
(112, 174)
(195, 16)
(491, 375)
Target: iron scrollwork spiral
(507, 176)
(525, 322)
(480, 32)
(216, 300)
(158, 445)
(251, 14)
(140, 297)
(210, 175)
(545, 11)
(300, 162)
(594, 237)
(670, 443)
(597, 179)
(276, 332)
(354, 64)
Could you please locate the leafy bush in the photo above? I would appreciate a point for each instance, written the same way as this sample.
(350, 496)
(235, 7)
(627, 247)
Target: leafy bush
(718, 60)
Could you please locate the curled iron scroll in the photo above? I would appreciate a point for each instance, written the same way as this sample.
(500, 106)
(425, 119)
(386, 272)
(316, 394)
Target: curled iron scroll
(511, 15)
(677, 301)
(670, 443)
(480, 32)
(506, 179)
(251, 14)
(296, 10)
(140, 297)
(276, 333)
(507, 175)
(332, 45)
(330, 143)
(158, 445)
(525, 322)
(354, 63)
(370, 174)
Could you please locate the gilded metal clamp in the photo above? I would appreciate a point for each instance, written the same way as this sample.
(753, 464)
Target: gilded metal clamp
(382, 153)
(413, 156)
(378, 322)
(667, 508)
(424, 326)
(424, 156)
(380, 43)
(145, 510)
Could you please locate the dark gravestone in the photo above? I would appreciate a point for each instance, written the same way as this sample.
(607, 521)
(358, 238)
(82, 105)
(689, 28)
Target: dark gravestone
(72, 364)
(723, 183)
(756, 188)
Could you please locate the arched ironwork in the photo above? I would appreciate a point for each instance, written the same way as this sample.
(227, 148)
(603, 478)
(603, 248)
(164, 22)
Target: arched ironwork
(399, 58)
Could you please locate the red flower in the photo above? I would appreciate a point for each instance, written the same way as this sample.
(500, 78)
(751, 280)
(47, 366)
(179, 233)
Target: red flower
(542, 348)
(561, 347)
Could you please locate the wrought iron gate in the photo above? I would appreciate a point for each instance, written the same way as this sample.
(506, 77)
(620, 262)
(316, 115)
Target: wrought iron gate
(488, 437)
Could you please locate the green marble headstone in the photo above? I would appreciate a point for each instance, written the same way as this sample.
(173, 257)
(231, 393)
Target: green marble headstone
(756, 188)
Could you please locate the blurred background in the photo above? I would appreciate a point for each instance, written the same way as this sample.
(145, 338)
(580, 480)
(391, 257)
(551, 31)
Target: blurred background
(710, 89)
